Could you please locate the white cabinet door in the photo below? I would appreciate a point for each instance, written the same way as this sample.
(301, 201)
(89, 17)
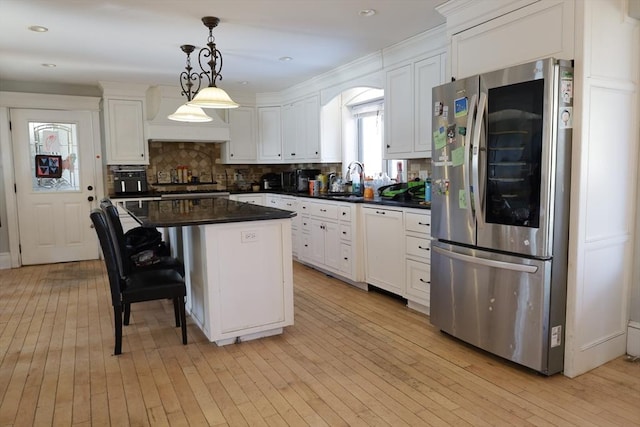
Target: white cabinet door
(316, 249)
(331, 131)
(241, 147)
(311, 107)
(124, 132)
(289, 139)
(384, 249)
(269, 134)
(428, 73)
(331, 245)
(398, 113)
(301, 130)
(540, 30)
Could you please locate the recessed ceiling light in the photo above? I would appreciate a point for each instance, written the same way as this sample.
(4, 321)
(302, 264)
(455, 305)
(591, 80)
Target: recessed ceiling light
(285, 58)
(367, 12)
(38, 28)
(49, 65)
(244, 82)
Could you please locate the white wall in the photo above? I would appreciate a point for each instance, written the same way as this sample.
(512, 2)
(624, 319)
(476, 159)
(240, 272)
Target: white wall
(604, 170)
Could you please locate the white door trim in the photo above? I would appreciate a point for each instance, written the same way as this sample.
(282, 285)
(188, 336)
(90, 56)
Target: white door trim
(39, 101)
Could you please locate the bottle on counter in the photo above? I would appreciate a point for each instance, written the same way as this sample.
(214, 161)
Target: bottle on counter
(185, 177)
(427, 190)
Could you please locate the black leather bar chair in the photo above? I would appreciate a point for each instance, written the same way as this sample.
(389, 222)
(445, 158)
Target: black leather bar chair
(137, 285)
(157, 261)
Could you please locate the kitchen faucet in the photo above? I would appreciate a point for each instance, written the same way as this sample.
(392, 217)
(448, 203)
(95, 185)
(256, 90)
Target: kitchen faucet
(360, 189)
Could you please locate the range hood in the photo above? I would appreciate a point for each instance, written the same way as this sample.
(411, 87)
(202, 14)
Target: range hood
(163, 101)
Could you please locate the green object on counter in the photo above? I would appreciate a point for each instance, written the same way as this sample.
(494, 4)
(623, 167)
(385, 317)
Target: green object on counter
(395, 191)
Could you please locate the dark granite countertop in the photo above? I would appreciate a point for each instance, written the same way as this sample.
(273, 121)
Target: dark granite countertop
(345, 197)
(184, 212)
(342, 197)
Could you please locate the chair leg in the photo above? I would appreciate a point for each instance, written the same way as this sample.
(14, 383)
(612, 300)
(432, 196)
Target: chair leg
(176, 311)
(127, 314)
(183, 320)
(117, 320)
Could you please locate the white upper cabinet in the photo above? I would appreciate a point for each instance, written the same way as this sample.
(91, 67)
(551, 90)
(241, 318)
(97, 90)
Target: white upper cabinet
(311, 134)
(331, 131)
(241, 147)
(398, 112)
(408, 107)
(301, 130)
(427, 74)
(269, 135)
(124, 111)
(539, 30)
(124, 132)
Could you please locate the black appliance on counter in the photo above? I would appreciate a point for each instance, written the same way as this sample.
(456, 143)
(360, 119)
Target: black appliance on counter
(130, 181)
(271, 181)
(298, 180)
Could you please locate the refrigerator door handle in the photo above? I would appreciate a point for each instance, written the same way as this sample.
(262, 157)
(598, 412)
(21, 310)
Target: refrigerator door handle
(467, 154)
(487, 262)
(475, 159)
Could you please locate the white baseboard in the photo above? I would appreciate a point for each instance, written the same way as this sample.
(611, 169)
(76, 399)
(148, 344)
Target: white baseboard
(633, 339)
(5, 260)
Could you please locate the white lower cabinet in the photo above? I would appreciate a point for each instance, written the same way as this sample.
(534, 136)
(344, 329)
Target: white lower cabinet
(418, 283)
(397, 248)
(417, 228)
(384, 248)
(328, 237)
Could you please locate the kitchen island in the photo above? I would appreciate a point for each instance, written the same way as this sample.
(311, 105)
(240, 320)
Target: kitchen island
(238, 263)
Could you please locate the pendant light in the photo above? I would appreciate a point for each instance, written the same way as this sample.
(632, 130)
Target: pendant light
(211, 96)
(189, 113)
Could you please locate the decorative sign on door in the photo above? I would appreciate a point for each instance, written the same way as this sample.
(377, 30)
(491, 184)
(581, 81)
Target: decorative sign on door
(48, 166)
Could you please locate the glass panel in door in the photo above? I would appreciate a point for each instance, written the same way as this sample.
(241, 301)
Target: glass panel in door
(514, 154)
(54, 157)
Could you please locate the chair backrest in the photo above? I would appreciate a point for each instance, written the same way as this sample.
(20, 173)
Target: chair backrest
(110, 253)
(117, 233)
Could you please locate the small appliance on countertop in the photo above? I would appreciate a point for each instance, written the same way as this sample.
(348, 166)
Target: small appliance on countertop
(271, 181)
(130, 181)
(298, 180)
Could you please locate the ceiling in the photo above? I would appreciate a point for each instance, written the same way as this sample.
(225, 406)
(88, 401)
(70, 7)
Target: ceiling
(138, 41)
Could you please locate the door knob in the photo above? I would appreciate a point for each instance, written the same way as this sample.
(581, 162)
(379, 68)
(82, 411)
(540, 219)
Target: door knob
(90, 198)
(90, 188)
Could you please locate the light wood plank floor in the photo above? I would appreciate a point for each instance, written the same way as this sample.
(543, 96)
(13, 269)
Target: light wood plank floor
(352, 358)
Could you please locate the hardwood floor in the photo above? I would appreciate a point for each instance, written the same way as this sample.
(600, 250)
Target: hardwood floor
(352, 358)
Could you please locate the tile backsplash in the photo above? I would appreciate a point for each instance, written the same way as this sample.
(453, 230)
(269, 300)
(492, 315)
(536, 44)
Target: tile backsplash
(203, 160)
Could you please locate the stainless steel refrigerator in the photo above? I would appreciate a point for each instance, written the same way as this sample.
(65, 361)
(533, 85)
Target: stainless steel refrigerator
(500, 205)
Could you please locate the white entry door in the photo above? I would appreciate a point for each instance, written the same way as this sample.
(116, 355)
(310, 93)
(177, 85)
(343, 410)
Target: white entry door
(55, 184)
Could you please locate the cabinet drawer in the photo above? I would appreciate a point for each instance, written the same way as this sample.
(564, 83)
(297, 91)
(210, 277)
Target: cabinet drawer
(305, 207)
(324, 211)
(346, 264)
(305, 223)
(418, 282)
(418, 222)
(418, 247)
(344, 213)
(345, 232)
(289, 204)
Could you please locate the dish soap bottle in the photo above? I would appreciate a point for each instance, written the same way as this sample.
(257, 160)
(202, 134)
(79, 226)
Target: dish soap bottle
(427, 190)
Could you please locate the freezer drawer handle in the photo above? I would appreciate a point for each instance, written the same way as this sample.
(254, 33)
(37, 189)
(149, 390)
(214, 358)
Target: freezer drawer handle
(487, 262)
